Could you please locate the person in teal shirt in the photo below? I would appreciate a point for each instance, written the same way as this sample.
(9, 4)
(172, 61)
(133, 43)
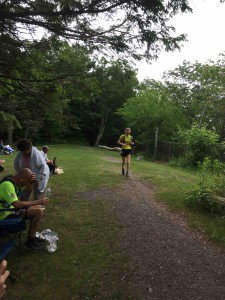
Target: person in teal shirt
(126, 141)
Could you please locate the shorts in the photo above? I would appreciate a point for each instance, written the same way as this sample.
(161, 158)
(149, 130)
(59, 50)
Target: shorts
(125, 152)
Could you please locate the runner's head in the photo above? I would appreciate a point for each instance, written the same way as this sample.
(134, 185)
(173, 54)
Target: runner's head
(127, 130)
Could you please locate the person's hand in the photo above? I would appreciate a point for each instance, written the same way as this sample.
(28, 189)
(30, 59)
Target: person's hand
(32, 178)
(44, 201)
(3, 276)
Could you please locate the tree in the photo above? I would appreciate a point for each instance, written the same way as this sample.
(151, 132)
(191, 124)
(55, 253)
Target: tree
(199, 90)
(152, 114)
(136, 28)
(112, 84)
(119, 24)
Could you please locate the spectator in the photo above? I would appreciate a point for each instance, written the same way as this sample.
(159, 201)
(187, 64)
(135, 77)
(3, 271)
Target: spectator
(31, 158)
(1, 167)
(3, 276)
(2, 147)
(51, 163)
(9, 188)
(8, 149)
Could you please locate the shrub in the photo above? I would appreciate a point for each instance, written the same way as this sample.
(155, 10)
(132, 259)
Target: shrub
(211, 183)
(201, 143)
(178, 162)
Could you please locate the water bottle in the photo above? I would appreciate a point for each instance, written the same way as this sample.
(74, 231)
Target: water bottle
(48, 192)
(47, 195)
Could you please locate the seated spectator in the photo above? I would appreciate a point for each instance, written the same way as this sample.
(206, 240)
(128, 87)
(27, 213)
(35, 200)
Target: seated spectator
(1, 167)
(51, 163)
(5, 149)
(8, 149)
(9, 195)
(2, 147)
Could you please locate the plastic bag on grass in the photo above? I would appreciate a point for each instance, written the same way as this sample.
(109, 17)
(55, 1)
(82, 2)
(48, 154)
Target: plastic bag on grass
(51, 237)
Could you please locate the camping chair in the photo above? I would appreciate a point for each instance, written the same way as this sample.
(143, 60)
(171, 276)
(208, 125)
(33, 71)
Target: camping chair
(12, 228)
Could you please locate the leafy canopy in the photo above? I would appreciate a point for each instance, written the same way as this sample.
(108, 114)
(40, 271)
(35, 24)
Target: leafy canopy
(117, 25)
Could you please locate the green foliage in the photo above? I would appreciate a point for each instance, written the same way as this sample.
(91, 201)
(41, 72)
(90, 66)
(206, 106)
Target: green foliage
(149, 110)
(95, 24)
(211, 182)
(202, 200)
(114, 83)
(200, 143)
(199, 90)
(179, 162)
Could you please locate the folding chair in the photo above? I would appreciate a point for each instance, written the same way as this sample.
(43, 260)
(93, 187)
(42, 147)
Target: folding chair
(12, 228)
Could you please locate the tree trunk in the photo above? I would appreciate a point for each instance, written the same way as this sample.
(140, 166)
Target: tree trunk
(10, 131)
(26, 132)
(156, 141)
(202, 115)
(101, 129)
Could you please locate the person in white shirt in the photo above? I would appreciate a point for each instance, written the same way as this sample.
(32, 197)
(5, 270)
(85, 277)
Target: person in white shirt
(51, 163)
(30, 157)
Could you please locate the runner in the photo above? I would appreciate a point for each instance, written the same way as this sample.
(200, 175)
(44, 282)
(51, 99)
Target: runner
(126, 141)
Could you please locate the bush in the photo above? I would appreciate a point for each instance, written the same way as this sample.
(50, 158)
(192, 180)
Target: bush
(201, 143)
(211, 183)
(202, 200)
(180, 162)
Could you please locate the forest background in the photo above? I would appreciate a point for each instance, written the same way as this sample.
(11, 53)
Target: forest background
(77, 82)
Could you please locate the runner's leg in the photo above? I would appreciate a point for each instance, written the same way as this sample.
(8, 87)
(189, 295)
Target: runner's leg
(128, 157)
(123, 165)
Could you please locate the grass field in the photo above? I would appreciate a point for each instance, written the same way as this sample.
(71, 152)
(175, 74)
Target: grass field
(88, 263)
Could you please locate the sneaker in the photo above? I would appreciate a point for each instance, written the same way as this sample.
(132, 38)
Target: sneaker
(34, 246)
(123, 172)
(127, 174)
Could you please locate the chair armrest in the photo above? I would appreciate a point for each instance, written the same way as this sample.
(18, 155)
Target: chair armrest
(14, 209)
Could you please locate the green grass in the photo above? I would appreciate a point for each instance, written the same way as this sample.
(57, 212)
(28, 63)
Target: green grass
(88, 262)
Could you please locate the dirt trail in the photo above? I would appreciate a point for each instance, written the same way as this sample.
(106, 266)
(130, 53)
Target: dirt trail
(169, 260)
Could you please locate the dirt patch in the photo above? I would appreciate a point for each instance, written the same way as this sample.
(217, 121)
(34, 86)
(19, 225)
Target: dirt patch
(168, 260)
(112, 159)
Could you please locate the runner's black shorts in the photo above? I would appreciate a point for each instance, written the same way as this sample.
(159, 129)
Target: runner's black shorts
(125, 152)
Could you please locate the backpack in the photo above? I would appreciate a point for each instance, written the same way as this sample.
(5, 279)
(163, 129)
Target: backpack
(7, 178)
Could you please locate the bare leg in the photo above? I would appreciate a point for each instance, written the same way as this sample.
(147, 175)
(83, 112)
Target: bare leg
(35, 213)
(128, 163)
(123, 165)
